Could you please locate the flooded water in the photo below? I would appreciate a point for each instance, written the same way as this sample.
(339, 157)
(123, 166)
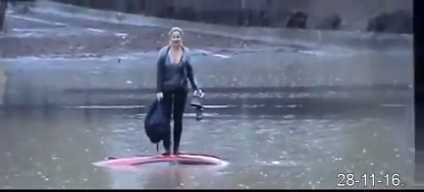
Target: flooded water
(56, 149)
(270, 141)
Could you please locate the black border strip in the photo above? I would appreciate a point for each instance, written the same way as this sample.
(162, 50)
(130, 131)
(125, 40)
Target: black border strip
(419, 111)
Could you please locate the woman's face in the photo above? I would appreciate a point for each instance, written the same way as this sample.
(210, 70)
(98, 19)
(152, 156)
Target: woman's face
(176, 38)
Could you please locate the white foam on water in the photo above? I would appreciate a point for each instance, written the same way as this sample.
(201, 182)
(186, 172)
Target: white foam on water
(221, 56)
(121, 34)
(316, 53)
(280, 163)
(204, 115)
(107, 107)
(38, 20)
(393, 105)
(217, 106)
(288, 106)
(96, 30)
(212, 54)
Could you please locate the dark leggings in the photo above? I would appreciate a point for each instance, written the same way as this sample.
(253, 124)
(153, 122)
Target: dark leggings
(174, 102)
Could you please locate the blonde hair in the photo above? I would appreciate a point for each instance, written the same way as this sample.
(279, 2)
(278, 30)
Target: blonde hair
(173, 29)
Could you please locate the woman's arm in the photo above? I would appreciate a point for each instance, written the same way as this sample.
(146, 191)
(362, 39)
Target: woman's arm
(190, 75)
(159, 69)
(158, 75)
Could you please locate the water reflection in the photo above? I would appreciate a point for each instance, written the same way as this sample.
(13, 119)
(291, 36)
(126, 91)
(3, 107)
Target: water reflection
(57, 149)
(53, 152)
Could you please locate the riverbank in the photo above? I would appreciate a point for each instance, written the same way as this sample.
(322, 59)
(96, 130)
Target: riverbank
(49, 35)
(90, 52)
(270, 35)
(390, 16)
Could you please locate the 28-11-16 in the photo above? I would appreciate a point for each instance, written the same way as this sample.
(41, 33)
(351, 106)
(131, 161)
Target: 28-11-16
(369, 180)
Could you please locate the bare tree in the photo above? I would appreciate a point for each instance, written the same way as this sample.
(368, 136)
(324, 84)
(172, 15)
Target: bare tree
(3, 7)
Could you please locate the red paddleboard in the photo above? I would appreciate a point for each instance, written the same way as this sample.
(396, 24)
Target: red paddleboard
(182, 158)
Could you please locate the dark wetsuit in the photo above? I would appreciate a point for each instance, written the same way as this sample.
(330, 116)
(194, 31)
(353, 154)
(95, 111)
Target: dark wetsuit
(172, 82)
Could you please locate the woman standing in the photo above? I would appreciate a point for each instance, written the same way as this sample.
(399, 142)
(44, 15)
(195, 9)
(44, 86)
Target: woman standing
(173, 71)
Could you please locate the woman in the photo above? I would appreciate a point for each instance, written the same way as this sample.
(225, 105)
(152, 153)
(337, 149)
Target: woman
(173, 71)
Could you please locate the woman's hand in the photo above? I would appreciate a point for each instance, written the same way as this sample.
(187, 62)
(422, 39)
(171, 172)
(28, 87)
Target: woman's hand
(199, 93)
(159, 96)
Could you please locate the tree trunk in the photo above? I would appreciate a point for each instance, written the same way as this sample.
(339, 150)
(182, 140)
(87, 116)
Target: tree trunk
(3, 7)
